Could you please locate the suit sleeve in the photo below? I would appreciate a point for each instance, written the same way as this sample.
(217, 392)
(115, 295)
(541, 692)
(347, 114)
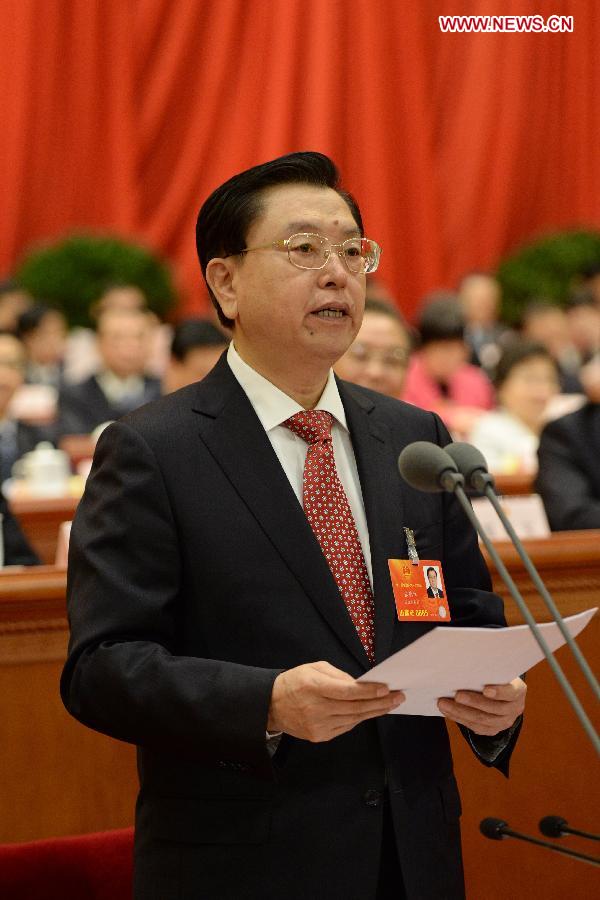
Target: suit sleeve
(564, 487)
(123, 675)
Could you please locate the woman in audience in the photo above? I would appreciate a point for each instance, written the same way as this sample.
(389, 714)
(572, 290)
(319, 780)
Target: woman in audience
(439, 377)
(378, 358)
(526, 380)
(43, 332)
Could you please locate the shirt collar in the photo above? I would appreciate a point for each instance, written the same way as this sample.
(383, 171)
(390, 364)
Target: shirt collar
(270, 403)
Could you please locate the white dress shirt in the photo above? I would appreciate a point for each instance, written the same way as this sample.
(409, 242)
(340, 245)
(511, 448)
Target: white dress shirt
(273, 407)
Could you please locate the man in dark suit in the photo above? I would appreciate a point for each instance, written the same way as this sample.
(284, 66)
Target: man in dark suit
(121, 385)
(221, 627)
(433, 588)
(568, 478)
(16, 437)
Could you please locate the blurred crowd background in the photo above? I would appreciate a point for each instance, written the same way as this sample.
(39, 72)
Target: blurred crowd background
(474, 158)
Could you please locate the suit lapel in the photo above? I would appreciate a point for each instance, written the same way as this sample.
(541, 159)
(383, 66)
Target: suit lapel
(233, 434)
(382, 497)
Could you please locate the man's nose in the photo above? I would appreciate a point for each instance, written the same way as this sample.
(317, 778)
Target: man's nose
(334, 271)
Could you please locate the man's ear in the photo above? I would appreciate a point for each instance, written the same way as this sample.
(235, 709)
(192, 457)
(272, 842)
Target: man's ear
(220, 278)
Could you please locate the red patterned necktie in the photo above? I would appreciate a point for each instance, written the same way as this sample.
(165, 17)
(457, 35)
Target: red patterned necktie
(330, 517)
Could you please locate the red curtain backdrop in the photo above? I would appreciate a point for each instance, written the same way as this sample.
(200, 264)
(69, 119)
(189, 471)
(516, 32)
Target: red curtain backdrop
(123, 115)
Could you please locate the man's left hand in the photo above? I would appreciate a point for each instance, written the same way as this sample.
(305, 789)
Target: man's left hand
(494, 709)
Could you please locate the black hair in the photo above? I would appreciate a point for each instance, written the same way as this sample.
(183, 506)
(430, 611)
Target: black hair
(192, 333)
(517, 352)
(431, 569)
(442, 319)
(226, 216)
(32, 318)
(581, 297)
(9, 286)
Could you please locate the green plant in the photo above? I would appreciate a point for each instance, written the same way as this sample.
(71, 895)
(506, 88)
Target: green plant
(72, 273)
(546, 269)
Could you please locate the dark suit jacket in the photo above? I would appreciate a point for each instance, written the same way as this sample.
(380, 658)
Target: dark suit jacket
(194, 579)
(82, 407)
(568, 479)
(17, 550)
(430, 593)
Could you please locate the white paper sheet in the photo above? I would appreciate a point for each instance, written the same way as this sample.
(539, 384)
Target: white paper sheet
(446, 660)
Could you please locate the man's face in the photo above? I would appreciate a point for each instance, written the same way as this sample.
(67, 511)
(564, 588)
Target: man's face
(480, 300)
(279, 310)
(432, 575)
(123, 340)
(378, 358)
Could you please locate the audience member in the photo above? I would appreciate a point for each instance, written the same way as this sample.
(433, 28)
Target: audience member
(479, 295)
(546, 323)
(196, 346)
(378, 358)
(43, 332)
(120, 385)
(439, 377)
(568, 479)
(526, 379)
(14, 300)
(16, 437)
(82, 357)
(583, 316)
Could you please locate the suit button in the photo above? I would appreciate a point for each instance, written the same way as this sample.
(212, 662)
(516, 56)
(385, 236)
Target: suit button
(372, 798)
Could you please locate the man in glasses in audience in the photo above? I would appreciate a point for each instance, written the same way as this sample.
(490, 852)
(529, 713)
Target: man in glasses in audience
(378, 358)
(229, 583)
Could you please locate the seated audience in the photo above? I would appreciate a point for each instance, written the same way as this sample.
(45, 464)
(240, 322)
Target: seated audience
(43, 332)
(568, 479)
(378, 358)
(546, 323)
(196, 346)
(16, 548)
(526, 379)
(14, 300)
(16, 437)
(479, 295)
(439, 377)
(120, 385)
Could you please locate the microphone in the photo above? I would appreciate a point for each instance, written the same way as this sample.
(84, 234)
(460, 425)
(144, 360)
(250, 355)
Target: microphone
(471, 463)
(497, 830)
(426, 467)
(556, 826)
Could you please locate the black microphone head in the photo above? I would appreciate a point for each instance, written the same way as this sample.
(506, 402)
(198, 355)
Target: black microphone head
(471, 463)
(493, 828)
(552, 826)
(423, 465)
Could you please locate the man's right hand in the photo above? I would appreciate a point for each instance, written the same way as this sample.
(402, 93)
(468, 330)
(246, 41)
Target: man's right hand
(317, 702)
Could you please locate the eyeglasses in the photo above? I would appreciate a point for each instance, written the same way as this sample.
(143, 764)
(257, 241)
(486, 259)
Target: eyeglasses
(394, 358)
(312, 251)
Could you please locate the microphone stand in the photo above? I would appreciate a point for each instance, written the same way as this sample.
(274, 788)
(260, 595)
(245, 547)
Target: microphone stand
(453, 482)
(486, 483)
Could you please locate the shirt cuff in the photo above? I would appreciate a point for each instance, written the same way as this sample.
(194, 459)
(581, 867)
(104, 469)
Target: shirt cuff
(491, 747)
(273, 738)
